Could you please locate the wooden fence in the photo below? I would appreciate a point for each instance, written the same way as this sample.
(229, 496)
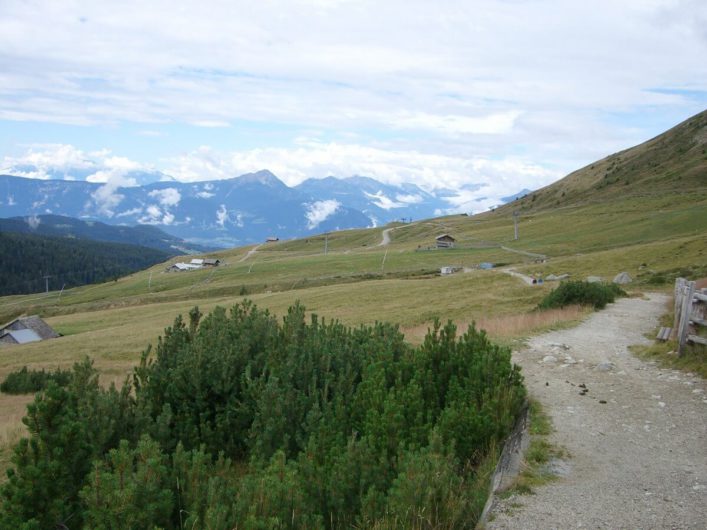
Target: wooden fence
(690, 305)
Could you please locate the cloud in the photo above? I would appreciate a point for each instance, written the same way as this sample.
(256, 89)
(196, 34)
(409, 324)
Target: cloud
(33, 222)
(154, 215)
(67, 162)
(222, 216)
(167, 196)
(205, 194)
(409, 199)
(498, 123)
(106, 198)
(549, 84)
(319, 211)
(211, 124)
(499, 177)
(380, 200)
(130, 213)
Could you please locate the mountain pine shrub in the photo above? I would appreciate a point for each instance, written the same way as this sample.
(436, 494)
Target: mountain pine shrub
(238, 419)
(26, 381)
(595, 294)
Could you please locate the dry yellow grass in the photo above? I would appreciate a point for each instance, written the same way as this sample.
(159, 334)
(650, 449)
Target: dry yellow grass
(504, 328)
(12, 409)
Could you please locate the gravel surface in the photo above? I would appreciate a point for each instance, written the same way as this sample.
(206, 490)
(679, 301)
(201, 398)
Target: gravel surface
(637, 438)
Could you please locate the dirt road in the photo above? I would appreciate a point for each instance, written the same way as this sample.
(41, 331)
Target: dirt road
(250, 253)
(639, 460)
(385, 237)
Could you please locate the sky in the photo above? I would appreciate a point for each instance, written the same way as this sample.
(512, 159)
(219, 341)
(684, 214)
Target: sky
(494, 96)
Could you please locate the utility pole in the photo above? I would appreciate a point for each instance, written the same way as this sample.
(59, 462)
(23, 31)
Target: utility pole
(515, 223)
(326, 243)
(46, 283)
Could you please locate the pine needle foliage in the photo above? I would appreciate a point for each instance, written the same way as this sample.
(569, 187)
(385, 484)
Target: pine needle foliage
(238, 420)
(24, 381)
(595, 294)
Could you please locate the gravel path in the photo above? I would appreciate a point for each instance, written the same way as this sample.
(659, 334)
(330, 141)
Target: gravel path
(385, 239)
(637, 461)
(527, 279)
(250, 253)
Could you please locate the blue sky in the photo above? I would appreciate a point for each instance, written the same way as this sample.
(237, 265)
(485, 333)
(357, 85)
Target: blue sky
(495, 95)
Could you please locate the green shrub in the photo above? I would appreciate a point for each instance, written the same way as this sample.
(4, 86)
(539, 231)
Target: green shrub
(583, 293)
(241, 420)
(26, 381)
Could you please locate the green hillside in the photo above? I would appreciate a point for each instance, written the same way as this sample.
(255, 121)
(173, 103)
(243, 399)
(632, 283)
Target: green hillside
(673, 162)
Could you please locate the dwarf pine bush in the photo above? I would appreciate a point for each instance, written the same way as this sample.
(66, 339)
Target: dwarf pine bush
(238, 419)
(593, 294)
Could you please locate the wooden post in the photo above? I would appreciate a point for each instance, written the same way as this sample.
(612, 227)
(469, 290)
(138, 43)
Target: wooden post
(685, 312)
(679, 285)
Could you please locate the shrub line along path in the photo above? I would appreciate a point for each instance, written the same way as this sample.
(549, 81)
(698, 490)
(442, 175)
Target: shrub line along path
(639, 460)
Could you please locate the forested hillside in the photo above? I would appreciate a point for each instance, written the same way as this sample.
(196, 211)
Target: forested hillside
(25, 259)
(61, 226)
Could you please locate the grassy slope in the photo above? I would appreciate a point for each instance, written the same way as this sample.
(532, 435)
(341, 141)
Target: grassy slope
(673, 162)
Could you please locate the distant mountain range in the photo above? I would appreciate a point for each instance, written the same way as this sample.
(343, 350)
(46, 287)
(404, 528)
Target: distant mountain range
(225, 213)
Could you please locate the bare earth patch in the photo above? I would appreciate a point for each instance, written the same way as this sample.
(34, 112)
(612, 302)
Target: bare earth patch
(637, 434)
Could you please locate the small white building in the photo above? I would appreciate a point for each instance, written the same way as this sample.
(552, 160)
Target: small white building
(184, 267)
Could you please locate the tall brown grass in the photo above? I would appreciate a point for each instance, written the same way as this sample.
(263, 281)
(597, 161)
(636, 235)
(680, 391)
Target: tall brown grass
(512, 326)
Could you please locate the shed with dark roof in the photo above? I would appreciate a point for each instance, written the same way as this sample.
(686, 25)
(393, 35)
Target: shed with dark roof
(26, 329)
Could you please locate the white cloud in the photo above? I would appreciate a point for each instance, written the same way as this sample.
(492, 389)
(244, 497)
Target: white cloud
(167, 196)
(33, 222)
(67, 162)
(498, 123)
(211, 124)
(380, 200)
(318, 160)
(11, 200)
(540, 87)
(221, 215)
(427, 70)
(153, 215)
(129, 213)
(205, 194)
(409, 199)
(106, 198)
(319, 211)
